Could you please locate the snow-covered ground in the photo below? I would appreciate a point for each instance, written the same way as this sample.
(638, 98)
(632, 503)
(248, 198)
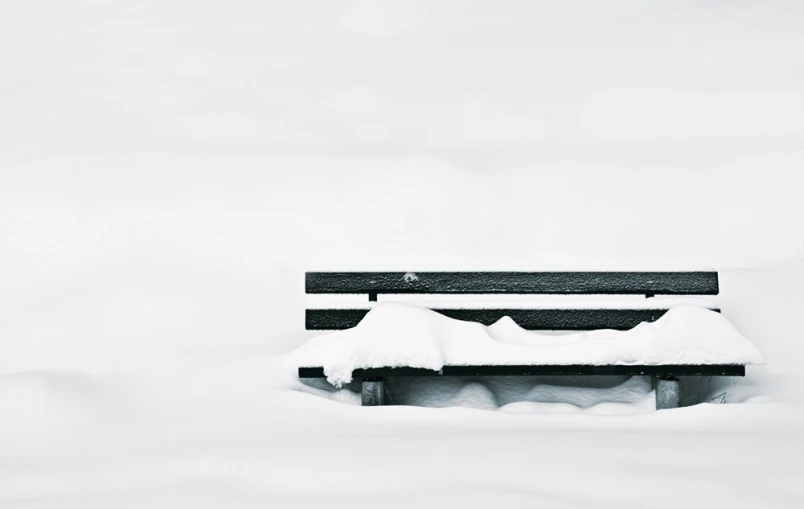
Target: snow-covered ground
(168, 170)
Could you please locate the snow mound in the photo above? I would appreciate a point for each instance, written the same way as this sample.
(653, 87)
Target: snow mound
(397, 335)
(527, 394)
(634, 389)
(476, 395)
(643, 405)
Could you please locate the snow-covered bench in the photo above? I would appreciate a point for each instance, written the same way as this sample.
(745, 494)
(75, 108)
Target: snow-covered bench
(626, 315)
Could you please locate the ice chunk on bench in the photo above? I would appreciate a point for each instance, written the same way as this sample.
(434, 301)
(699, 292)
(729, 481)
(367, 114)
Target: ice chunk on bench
(399, 335)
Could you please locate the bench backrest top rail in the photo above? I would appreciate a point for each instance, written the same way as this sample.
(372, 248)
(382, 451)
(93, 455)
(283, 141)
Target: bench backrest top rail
(603, 283)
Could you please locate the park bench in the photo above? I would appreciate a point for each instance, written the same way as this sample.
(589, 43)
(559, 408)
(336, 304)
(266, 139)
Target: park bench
(649, 284)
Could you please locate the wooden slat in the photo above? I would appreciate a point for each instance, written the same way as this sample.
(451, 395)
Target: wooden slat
(546, 370)
(624, 283)
(530, 319)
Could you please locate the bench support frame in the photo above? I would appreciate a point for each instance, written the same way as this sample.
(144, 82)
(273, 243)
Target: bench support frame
(374, 392)
(667, 391)
(666, 387)
(665, 378)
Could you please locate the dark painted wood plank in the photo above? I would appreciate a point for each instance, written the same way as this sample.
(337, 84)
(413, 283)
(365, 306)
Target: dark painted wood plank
(333, 319)
(624, 283)
(530, 319)
(547, 370)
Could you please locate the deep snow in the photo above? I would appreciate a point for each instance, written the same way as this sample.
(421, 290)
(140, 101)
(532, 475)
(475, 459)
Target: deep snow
(179, 438)
(168, 171)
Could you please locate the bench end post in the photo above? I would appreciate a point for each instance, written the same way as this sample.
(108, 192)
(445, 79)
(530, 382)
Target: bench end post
(667, 392)
(374, 392)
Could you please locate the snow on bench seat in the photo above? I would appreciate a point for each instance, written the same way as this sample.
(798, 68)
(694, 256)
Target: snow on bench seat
(403, 337)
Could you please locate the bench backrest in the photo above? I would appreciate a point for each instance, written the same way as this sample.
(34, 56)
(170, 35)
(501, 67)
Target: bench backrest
(558, 283)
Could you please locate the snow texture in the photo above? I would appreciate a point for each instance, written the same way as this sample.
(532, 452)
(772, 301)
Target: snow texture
(169, 169)
(398, 335)
(531, 394)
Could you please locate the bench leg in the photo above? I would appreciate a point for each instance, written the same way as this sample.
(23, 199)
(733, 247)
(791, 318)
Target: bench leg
(374, 393)
(667, 392)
